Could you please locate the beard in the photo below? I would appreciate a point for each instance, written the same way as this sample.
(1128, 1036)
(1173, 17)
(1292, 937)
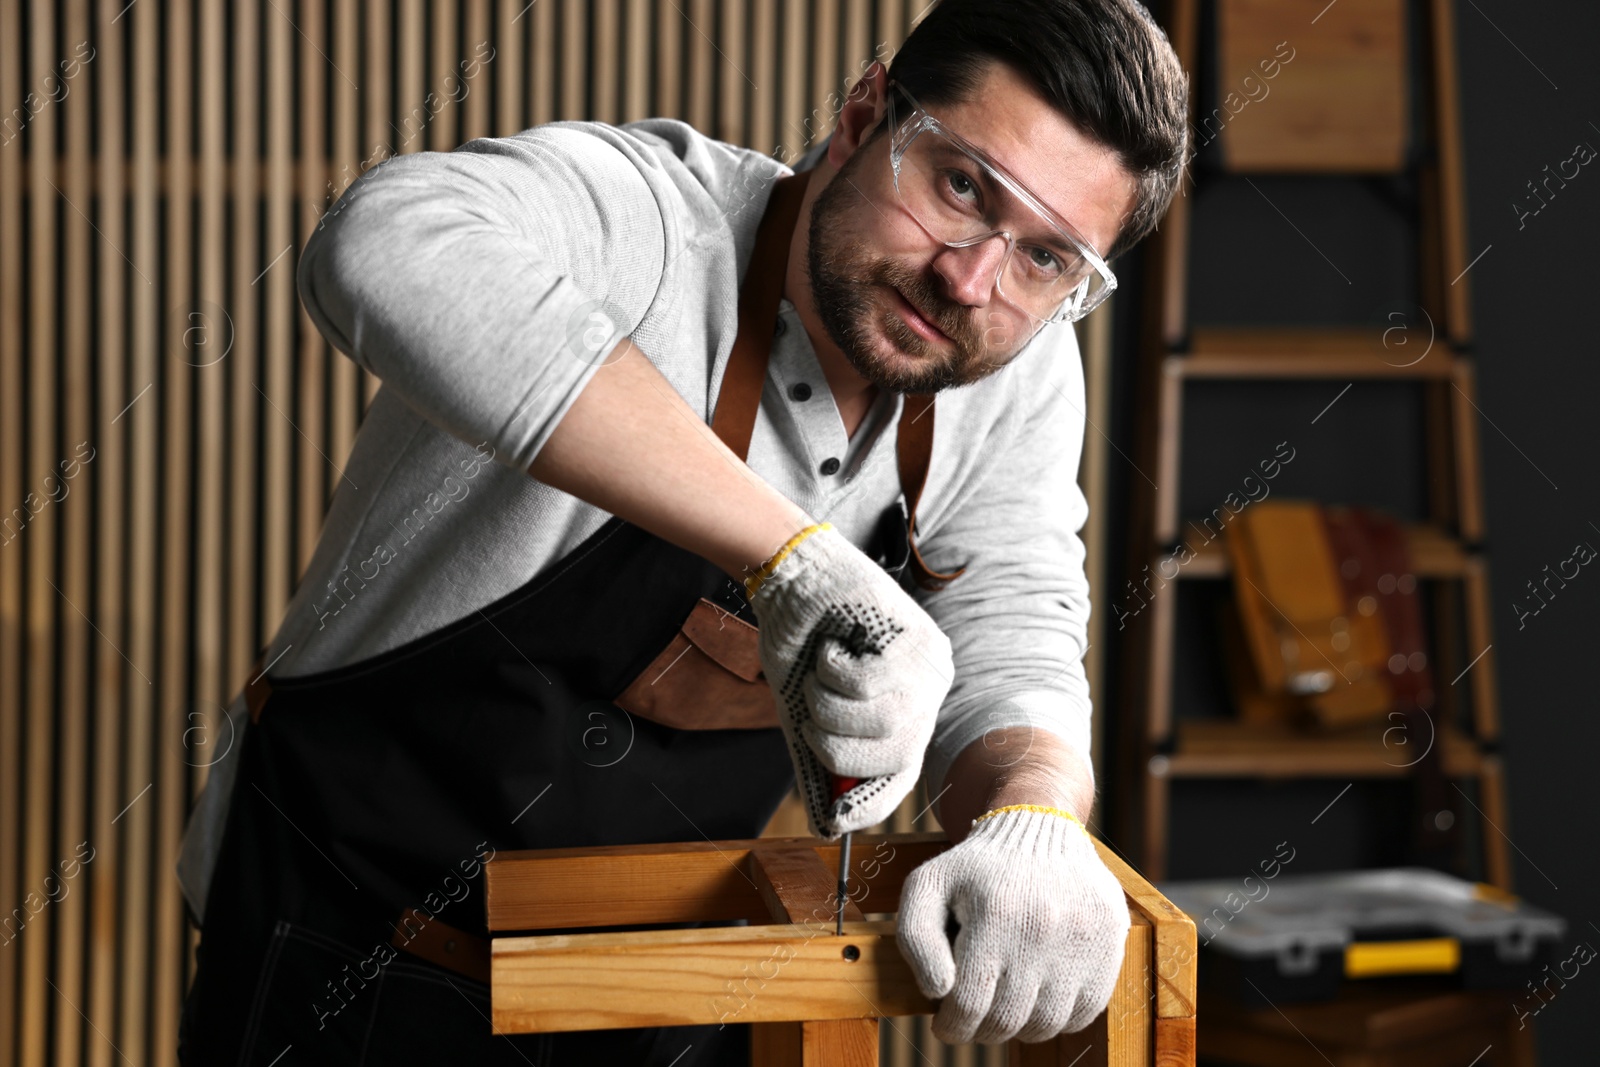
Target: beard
(848, 280)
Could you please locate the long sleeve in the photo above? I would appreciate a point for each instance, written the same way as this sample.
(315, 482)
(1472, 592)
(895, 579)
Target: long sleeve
(469, 281)
(1018, 618)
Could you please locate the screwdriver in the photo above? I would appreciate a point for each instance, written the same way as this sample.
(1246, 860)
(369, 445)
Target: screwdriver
(841, 786)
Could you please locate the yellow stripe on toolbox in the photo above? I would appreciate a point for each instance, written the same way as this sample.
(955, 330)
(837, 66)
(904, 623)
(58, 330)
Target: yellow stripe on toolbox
(1368, 959)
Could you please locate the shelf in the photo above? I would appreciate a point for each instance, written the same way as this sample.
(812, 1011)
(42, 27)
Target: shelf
(1230, 749)
(1324, 353)
(1433, 554)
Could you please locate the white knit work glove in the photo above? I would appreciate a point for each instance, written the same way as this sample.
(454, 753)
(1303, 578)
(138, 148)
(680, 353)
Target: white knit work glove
(859, 671)
(1043, 926)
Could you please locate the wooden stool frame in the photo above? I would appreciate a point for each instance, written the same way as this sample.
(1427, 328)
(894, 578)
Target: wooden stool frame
(814, 997)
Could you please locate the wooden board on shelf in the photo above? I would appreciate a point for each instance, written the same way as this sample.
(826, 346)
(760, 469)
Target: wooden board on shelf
(1230, 749)
(1433, 553)
(1399, 348)
(1339, 100)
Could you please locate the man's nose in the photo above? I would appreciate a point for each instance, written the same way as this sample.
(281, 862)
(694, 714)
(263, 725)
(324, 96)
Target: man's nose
(969, 273)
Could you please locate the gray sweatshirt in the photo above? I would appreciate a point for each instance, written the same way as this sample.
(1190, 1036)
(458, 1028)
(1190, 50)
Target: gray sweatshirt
(485, 286)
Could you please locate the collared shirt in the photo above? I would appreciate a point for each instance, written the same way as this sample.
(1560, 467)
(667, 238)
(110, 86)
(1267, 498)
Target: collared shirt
(469, 282)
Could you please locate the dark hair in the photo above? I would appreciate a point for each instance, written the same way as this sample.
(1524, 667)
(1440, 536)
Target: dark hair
(1104, 64)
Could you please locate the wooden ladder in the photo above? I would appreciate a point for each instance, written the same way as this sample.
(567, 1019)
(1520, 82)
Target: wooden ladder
(813, 997)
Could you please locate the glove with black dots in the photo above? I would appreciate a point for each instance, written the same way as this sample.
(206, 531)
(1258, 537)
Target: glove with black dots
(859, 672)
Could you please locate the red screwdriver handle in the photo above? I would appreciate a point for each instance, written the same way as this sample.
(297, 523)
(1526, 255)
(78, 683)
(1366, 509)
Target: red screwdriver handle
(841, 786)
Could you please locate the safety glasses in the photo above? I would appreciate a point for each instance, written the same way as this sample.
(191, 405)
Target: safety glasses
(961, 198)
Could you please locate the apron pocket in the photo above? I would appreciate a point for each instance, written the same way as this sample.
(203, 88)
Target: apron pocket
(316, 995)
(707, 678)
(429, 1016)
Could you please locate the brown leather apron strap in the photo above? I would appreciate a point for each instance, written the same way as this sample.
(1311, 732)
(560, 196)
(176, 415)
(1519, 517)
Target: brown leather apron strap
(258, 688)
(913, 449)
(745, 376)
(426, 937)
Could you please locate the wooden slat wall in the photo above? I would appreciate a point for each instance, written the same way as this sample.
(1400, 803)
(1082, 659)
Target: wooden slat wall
(151, 216)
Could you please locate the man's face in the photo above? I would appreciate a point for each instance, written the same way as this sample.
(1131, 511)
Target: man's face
(913, 315)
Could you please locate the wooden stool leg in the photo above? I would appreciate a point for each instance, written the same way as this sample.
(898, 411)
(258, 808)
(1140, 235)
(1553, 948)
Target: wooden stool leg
(840, 1043)
(775, 1044)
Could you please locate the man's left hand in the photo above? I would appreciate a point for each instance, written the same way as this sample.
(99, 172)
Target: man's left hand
(1043, 926)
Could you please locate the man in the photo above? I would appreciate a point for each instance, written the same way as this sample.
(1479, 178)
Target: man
(643, 640)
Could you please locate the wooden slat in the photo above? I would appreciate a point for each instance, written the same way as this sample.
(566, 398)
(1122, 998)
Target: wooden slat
(701, 62)
(1451, 174)
(13, 641)
(732, 120)
(796, 887)
(245, 394)
(1433, 554)
(144, 492)
(110, 441)
(574, 20)
(839, 1043)
(169, 795)
(42, 598)
(1496, 838)
(687, 977)
(636, 68)
(210, 332)
(1229, 749)
(824, 72)
(345, 385)
(1485, 685)
(1330, 353)
(602, 65)
(542, 73)
(1169, 451)
(436, 118)
(776, 1044)
(1172, 963)
(792, 101)
(858, 52)
(77, 380)
(1468, 462)
(510, 73)
(475, 52)
(563, 888)
(1156, 783)
(284, 430)
(312, 475)
(1338, 105)
(1163, 633)
(1172, 271)
(764, 136)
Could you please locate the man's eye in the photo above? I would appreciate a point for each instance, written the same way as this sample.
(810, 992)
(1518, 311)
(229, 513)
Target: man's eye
(1044, 262)
(961, 185)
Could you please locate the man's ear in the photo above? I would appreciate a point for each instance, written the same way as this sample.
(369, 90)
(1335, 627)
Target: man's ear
(865, 104)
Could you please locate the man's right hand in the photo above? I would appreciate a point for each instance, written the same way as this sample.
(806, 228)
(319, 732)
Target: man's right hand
(859, 671)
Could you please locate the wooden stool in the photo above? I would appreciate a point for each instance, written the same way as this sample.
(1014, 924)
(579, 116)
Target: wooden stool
(814, 997)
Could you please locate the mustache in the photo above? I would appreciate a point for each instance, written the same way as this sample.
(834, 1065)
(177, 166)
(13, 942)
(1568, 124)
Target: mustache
(950, 320)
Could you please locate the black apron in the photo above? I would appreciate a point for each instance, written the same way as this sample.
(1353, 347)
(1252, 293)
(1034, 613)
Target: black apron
(345, 921)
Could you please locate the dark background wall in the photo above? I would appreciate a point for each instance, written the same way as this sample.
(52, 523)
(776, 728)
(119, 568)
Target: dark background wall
(1530, 93)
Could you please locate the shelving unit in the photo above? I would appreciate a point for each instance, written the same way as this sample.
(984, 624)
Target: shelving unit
(1357, 50)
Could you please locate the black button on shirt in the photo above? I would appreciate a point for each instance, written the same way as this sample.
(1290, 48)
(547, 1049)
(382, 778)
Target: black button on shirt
(800, 391)
(830, 466)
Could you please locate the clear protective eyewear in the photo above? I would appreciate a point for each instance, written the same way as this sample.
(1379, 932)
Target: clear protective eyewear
(957, 194)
